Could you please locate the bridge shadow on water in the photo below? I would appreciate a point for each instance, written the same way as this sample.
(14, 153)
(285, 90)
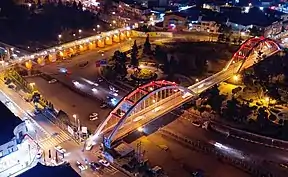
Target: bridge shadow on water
(151, 127)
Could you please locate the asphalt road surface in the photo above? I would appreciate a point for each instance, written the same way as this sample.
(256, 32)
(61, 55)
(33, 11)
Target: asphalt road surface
(49, 136)
(180, 160)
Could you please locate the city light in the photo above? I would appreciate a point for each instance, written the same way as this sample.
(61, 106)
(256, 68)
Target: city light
(94, 89)
(140, 129)
(236, 78)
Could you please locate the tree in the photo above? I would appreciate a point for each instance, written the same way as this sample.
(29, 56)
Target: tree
(80, 5)
(254, 31)
(215, 99)
(134, 60)
(39, 3)
(119, 63)
(232, 109)
(74, 5)
(147, 46)
(107, 5)
(226, 30)
(60, 3)
(262, 117)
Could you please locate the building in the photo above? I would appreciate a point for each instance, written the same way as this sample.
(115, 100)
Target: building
(193, 20)
(133, 7)
(64, 170)
(175, 21)
(17, 149)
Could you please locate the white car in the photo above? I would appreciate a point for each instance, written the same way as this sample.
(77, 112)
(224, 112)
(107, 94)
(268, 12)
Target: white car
(75, 82)
(39, 154)
(60, 149)
(113, 89)
(100, 80)
(113, 93)
(104, 162)
(93, 116)
(81, 166)
(94, 90)
(89, 147)
(103, 106)
(52, 81)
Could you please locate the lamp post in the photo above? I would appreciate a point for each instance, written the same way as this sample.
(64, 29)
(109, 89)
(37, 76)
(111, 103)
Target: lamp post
(32, 85)
(75, 118)
(197, 80)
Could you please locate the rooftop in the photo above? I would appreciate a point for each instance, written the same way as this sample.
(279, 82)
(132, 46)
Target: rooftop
(8, 121)
(49, 171)
(206, 15)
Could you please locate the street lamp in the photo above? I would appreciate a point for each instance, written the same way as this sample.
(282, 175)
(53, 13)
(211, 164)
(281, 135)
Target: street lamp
(80, 31)
(114, 21)
(32, 84)
(197, 80)
(140, 129)
(74, 34)
(59, 36)
(75, 118)
(98, 26)
(236, 78)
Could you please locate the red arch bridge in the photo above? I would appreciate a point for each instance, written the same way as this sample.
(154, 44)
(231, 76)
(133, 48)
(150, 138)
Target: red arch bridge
(152, 100)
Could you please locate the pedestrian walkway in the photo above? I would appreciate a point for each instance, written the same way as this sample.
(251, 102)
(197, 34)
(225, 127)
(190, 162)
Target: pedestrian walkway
(53, 140)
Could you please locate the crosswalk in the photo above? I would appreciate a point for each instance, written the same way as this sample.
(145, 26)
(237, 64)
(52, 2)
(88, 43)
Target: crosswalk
(105, 170)
(52, 141)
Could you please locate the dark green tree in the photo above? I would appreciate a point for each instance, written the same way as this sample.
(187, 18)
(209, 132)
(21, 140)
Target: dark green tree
(80, 5)
(226, 31)
(134, 54)
(119, 63)
(147, 46)
(60, 3)
(74, 4)
(39, 3)
(254, 31)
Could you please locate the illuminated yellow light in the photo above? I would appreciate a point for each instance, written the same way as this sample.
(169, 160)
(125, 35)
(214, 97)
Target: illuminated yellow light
(235, 77)
(140, 129)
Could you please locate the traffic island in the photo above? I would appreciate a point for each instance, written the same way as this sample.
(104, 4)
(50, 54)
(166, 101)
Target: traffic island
(143, 75)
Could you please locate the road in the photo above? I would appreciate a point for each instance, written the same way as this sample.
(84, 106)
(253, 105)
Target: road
(179, 159)
(237, 149)
(49, 135)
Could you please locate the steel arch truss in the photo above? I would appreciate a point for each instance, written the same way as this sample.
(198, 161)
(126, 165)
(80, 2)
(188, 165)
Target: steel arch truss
(246, 49)
(136, 102)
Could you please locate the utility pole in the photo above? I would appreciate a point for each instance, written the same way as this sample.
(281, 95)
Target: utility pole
(139, 153)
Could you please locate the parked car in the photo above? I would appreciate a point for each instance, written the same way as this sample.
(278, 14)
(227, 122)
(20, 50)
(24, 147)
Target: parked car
(95, 166)
(104, 162)
(81, 166)
(52, 81)
(93, 116)
(103, 106)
